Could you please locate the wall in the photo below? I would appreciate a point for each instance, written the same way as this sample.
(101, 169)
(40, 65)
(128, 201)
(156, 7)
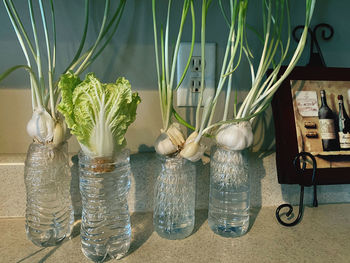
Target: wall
(131, 54)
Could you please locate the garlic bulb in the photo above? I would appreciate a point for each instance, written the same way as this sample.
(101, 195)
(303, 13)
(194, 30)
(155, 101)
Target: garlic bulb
(170, 141)
(41, 126)
(164, 145)
(235, 136)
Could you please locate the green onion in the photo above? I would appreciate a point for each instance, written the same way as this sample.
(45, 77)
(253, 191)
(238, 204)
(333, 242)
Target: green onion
(45, 94)
(235, 132)
(171, 138)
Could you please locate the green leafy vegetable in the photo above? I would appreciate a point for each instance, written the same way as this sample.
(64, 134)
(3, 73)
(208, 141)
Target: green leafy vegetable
(98, 113)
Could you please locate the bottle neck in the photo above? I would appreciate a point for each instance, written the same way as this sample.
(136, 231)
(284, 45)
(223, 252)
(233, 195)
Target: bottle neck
(342, 111)
(341, 106)
(323, 100)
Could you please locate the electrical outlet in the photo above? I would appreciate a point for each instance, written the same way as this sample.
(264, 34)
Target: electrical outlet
(196, 64)
(195, 85)
(189, 90)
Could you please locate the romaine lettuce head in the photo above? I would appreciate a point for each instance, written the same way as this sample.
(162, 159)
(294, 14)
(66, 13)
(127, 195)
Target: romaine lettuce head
(98, 114)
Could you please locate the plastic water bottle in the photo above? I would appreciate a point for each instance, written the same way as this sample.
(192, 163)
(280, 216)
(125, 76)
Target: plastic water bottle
(174, 201)
(49, 213)
(104, 186)
(229, 198)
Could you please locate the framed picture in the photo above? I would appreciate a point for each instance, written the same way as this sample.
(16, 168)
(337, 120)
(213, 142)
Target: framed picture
(311, 110)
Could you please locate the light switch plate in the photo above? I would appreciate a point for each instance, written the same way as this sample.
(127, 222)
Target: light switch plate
(188, 92)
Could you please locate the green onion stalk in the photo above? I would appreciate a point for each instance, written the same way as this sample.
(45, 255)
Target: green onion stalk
(47, 125)
(171, 139)
(235, 132)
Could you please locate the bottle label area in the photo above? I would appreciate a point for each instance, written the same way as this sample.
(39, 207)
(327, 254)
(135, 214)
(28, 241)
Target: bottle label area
(344, 139)
(327, 129)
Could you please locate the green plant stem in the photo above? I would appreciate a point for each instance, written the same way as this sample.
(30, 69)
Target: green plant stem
(80, 69)
(177, 45)
(233, 38)
(227, 100)
(117, 17)
(204, 15)
(166, 45)
(53, 21)
(48, 51)
(250, 117)
(157, 58)
(182, 121)
(193, 39)
(38, 56)
(33, 78)
(82, 41)
(166, 72)
(164, 89)
(19, 25)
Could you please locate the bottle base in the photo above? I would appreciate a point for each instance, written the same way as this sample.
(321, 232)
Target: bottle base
(228, 230)
(100, 258)
(44, 239)
(174, 233)
(93, 256)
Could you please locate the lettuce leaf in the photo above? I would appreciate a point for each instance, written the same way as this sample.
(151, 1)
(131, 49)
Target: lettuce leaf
(98, 114)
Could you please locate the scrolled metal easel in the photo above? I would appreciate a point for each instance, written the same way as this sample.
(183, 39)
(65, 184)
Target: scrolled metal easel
(316, 60)
(299, 156)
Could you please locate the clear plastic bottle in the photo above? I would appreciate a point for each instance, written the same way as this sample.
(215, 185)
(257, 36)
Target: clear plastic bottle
(229, 197)
(49, 213)
(174, 201)
(104, 186)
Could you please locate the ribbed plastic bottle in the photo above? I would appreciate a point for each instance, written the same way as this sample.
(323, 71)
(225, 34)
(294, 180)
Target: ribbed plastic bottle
(104, 186)
(49, 213)
(229, 197)
(174, 199)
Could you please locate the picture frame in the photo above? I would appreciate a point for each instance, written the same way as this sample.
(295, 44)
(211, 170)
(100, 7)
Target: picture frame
(289, 136)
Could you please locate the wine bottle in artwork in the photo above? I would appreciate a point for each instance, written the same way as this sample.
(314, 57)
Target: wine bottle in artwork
(327, 125)
(344, 126)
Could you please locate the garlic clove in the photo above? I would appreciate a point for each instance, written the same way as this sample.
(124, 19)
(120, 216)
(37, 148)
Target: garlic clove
(58, 134)
(193, 151)
(164, 145)
(190, 150)
(176, 135)
(192, 137)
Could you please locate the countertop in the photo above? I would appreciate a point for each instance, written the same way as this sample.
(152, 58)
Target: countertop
(322, 236)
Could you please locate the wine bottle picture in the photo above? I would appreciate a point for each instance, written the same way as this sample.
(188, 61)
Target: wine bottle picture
(327, 125)
(344, 126)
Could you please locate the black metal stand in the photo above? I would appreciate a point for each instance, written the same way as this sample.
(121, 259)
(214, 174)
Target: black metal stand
(316, 60)
(300, 157)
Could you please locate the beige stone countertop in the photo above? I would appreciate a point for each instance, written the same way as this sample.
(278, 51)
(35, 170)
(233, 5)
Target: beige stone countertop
(322, 236)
